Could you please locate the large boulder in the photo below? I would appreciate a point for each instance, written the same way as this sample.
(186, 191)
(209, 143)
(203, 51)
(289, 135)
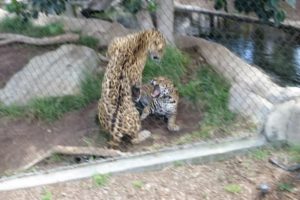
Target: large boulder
(56, 73)
(283, 123)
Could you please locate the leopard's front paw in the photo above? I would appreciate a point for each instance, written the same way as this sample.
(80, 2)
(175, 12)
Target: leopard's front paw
(142, 136)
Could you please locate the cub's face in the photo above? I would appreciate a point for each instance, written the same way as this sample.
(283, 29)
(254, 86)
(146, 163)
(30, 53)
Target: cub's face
(161, 87)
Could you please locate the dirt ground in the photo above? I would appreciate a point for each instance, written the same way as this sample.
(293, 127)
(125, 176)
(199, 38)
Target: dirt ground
(23, 140)
(234, 179)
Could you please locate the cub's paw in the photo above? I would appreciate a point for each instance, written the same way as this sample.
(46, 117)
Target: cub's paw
(174, 127)
(142, 136)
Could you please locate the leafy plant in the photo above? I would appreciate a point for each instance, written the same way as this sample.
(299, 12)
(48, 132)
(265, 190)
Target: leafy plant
(264, 9)
(21, 10)
(233, 188)
(134, 6)
(101, 179)
(31, 9)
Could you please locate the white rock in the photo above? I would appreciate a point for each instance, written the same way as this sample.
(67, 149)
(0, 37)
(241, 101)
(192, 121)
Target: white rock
(249, 104)
(55, 73)
(283, 123)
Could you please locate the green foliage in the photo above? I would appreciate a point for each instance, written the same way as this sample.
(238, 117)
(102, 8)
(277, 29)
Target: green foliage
(101, 179)
(219, 4)
(49, 6)
(21, 10)
(26, 11)
(17, 25)
(88, 41)
(233, 188)
(55, 158)
(173, 65)
(138, 184)
(211, 91)
(53, 108)
(47, 196)
(294, 151)
(286, 187)
(264, 9)
(134, 6)
(178, 163)
(260, 154)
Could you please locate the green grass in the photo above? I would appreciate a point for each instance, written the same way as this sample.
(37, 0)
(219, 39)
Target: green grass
(260, 154)
(138, 184)
(210, 92)
(178, 163)
(55, 158)
(294, 151)
(101, 179)
(286, 187)
(16, 25)
(52, 108)
(173, 65)
(88, 41)
(47, 196)
(233, 188)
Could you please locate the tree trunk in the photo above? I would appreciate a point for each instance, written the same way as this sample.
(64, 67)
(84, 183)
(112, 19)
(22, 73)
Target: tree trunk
(144, 19)
(165, 19)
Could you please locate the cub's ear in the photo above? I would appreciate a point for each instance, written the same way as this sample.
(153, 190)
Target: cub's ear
(153, 82)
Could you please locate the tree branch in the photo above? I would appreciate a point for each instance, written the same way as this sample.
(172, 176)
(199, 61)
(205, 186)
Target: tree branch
(7, 38)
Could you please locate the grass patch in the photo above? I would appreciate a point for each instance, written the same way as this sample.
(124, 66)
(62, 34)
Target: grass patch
(173, 65)
(47, 195)
(18, 26)
(88, 41)
(52, 108)
(260, 154)
(138, 184)
(233, 188)
(294, 152)
(211, 92)
(288, 187)
(178, 163)
(55, 158)
(101, 179)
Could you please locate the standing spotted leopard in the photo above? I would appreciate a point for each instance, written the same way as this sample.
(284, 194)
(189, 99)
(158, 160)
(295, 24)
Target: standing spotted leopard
(158, 98)
(116, 110)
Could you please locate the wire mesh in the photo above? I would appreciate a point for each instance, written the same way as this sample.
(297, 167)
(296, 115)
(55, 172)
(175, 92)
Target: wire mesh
(231, 70)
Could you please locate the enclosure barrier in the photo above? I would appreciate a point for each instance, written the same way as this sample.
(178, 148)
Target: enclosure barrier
(237, 75)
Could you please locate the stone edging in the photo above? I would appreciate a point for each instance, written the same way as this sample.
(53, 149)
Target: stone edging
(194, 154)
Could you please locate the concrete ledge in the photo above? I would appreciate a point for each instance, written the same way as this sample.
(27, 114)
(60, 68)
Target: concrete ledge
(195, 154)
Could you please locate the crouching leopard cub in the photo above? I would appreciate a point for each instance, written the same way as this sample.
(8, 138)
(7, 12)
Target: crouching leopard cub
(127, 57)
(158, 98)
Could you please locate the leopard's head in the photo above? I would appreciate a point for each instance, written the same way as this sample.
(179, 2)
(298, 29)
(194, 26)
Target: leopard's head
(156, 44)
(162, 87)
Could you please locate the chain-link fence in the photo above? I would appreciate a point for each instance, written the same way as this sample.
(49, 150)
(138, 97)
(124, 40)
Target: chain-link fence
(237, 74)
